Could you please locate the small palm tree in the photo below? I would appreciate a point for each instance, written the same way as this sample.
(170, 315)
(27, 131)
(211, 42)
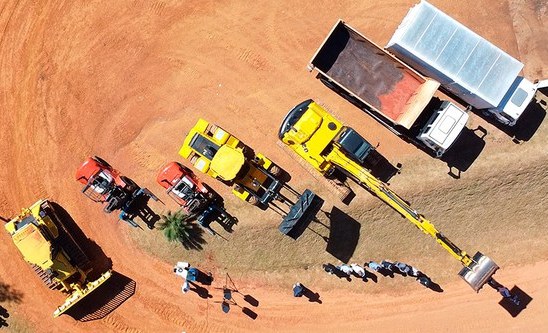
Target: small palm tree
(183, 228)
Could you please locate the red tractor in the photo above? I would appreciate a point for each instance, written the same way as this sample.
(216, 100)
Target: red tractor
(193, 196)
(104, 184)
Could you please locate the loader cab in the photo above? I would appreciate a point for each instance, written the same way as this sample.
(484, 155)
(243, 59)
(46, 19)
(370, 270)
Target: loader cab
(203, 146)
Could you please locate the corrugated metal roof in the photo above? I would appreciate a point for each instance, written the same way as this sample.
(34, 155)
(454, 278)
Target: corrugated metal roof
(457, 52)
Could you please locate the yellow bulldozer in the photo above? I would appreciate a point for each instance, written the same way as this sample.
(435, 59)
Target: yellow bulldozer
(53, 253)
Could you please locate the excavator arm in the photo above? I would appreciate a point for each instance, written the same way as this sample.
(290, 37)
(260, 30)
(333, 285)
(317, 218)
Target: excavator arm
(477, 270)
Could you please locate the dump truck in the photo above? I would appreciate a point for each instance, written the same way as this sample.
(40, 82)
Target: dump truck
(387, 89)
(53, 253)
(254, 178)
(469, 68)
(319, 138)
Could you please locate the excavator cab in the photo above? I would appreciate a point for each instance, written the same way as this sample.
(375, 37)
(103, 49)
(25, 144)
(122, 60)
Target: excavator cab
(479, 272)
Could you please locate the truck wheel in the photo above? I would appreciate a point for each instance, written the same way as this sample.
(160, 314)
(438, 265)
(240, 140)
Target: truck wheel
(330, 173)
(253, 200)
(275, 170)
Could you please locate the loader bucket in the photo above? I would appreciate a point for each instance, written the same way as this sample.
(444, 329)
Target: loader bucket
(479, 272)
(79, 294)
(294, 223)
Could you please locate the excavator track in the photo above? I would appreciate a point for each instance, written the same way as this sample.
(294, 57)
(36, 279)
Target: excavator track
(341, 190)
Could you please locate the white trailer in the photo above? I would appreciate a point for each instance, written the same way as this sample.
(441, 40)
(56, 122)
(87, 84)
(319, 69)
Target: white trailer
(467, 66)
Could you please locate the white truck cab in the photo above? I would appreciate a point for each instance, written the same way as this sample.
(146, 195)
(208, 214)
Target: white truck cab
(443, 128)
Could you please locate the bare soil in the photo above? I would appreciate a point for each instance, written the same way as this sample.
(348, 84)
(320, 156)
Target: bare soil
(125, 80)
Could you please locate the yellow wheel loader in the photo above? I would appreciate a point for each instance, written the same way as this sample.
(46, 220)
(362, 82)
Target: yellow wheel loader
(254, 178)
(328, 145)
(52, 252)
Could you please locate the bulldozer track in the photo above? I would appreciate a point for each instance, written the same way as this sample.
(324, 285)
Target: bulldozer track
(342, 191)
(51, 284)
(75, 253)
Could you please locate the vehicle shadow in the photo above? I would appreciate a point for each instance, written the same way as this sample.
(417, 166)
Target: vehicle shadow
(98, 262)
(140, 208)
(513, 309)
(380, 167)
(526, 126)
(218, 214)
(465, 151)
(97, 305)
(344, 234)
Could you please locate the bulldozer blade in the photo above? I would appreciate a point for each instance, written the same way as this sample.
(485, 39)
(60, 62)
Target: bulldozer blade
(479, 272)
(79, 294)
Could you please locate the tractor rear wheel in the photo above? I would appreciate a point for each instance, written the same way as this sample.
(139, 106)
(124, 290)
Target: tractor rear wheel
(130, 184)
(101, 161)
(253, 200)
(275, 170)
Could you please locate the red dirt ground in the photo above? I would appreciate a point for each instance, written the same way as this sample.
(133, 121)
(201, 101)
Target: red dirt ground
(126, 79)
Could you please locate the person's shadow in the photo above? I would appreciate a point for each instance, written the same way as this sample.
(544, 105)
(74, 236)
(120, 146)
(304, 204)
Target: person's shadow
(3, 316)
(201, 291)
(311, 296)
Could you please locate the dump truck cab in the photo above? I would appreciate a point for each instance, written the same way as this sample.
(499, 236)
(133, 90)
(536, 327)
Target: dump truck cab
(443, 127)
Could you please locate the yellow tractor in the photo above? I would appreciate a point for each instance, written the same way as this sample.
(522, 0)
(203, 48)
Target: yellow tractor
(254, 178)
(328, 145)
(52, 252)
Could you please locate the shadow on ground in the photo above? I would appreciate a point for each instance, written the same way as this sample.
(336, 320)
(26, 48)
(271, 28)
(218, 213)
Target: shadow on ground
(98, 261)
(465, 151)
(113, 293)
(513, 309)
(344, 234)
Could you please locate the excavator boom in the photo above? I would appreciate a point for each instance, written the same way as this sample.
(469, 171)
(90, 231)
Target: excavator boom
(315, 135)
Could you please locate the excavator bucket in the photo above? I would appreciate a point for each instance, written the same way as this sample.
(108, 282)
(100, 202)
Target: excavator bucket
(479, 272)
(79, 294)
(293, 223)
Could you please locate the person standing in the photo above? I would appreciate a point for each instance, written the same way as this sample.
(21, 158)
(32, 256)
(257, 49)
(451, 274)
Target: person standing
(298, 290)
(359, 271)
(374, 266)
(387, 265)
(345, 269)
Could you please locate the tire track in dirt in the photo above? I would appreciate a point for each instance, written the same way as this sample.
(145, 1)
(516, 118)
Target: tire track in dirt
(115, 322)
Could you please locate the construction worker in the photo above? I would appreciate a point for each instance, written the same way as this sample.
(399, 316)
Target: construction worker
(298, 289)
(345, 269)
(359, 271)
(387, 265)
(403, 268)
(373, 265)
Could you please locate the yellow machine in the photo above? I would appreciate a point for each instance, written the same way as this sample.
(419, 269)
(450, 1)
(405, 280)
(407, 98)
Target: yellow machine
(327, 145)
(254, 178)
(215, 152)
(54, 255)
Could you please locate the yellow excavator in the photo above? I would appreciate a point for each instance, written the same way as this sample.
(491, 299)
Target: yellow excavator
(329, 146)
(53, 253)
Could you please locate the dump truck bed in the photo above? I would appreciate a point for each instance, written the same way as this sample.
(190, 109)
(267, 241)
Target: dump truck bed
(464, 63)
(376, 78)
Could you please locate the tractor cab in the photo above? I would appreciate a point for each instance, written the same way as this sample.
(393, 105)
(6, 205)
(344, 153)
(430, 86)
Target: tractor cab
(99, 186)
